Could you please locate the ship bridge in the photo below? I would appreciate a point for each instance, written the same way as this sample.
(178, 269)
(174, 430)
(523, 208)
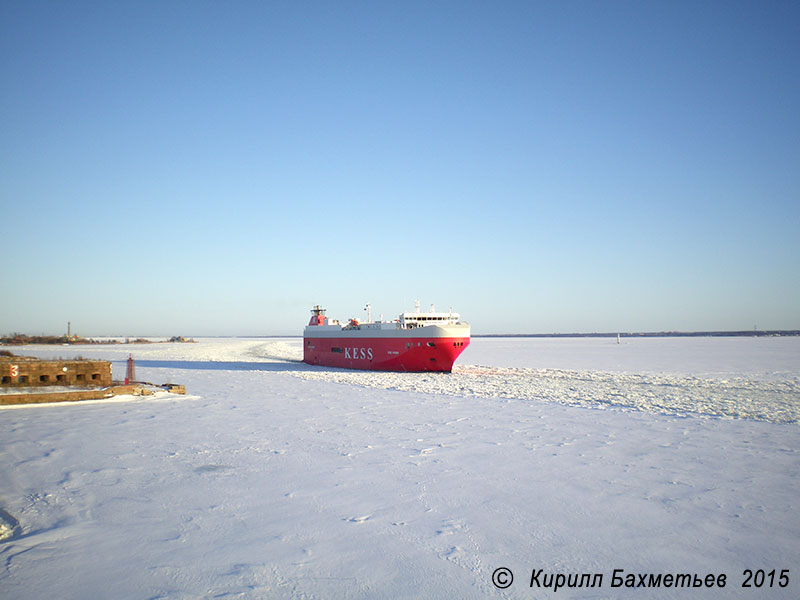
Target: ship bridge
(410, 320)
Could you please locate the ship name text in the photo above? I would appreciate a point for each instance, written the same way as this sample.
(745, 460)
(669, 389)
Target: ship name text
(362, 353)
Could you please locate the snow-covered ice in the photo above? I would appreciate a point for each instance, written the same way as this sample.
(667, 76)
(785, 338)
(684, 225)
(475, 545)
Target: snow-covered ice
(275, 479)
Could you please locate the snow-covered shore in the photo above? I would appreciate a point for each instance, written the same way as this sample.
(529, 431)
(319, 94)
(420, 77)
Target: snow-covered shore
(275, 479)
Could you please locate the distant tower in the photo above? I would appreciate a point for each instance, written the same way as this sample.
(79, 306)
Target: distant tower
(69, 328)
(130, 374)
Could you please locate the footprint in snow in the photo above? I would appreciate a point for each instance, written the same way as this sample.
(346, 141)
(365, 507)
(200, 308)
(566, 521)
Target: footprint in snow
(422, 452)
(211, 468)
(453, 553)
(450, 527)
(359, 519)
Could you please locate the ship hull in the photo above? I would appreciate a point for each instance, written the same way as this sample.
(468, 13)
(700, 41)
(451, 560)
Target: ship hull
(423, 349)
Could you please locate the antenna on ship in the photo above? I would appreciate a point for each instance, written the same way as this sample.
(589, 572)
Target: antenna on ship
(416, 306)
(368, 308)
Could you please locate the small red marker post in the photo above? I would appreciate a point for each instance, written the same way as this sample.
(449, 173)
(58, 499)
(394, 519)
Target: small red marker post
(130, 374)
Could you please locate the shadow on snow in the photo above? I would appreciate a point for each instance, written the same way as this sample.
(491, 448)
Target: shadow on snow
(215, 365)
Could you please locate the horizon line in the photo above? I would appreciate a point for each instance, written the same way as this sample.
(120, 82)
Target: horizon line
(608, 334)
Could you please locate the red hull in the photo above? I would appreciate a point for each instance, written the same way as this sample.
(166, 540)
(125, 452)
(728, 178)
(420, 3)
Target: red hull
(385, 353)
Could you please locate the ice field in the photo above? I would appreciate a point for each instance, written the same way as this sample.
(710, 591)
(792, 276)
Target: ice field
(274, 479)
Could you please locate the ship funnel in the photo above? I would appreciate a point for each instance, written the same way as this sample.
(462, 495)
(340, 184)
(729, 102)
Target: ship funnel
(318, 316)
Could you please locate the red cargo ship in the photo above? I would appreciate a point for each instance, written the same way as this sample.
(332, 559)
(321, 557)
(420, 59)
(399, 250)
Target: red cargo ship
(415, 341)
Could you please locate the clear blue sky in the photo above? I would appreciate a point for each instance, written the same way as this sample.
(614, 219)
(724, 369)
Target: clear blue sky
(213, 168)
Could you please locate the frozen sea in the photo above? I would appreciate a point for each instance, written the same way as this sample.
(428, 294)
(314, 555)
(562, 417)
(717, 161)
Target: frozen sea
(275, 479)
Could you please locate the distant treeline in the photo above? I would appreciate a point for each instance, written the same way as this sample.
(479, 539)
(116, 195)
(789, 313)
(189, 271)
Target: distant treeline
(20, 339)
(754, 333)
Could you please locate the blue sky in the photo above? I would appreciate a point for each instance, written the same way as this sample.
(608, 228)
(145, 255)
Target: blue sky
(215, 168)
